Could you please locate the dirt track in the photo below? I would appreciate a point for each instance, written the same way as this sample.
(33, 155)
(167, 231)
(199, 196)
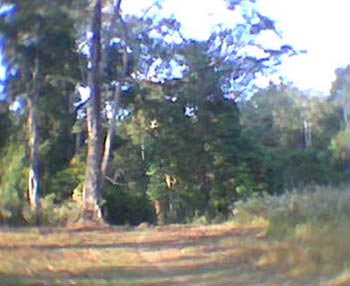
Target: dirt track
(220, 255)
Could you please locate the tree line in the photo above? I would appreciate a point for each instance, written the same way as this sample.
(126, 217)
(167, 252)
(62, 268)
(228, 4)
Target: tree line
(117, 117)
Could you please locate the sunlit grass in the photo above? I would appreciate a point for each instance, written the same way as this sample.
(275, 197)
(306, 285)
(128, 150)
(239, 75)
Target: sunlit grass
(224, 254)
(307, 230)
(341, 280)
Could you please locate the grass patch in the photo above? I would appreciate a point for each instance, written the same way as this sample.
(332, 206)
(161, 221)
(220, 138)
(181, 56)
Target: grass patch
(314, 209)
(222, 254)
(312, 227)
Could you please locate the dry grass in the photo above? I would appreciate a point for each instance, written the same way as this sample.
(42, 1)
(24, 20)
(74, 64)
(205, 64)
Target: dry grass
(173, 255)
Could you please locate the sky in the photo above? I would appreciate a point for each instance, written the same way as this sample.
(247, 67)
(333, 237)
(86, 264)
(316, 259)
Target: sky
(321, 27)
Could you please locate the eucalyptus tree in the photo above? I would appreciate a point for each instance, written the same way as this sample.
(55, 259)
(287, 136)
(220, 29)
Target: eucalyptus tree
(340, 96)
(107, 68)
(141, 55)
(39, 51)
(340, 93)
(189, 129)
(92, 184)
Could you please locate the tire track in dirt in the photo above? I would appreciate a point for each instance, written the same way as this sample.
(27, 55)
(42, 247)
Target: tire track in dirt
(162, 252)
(147, 258)
(152, 255)
(151, 259)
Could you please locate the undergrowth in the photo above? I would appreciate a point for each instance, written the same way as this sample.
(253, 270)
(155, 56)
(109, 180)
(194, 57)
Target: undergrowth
(313, 222)
(53, 214)
(319, 209)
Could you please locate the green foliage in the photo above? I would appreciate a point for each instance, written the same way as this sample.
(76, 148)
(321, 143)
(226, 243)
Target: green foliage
(156, 187)
(12, 181)
(322, 208)
(5, 125)
(63, 182)
(199, 219)
(59, 214)
(54, 214)
(340, 145)
(205, 128)
(273, 120)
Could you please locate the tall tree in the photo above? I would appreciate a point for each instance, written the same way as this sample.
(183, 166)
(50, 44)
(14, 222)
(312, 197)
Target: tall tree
(34, 38)
(340, 93)
(115, 76)
(92, 185)
(33, 91)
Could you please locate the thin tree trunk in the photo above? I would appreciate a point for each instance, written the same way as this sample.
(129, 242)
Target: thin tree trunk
(92, 184)
(159, 212)
(34, 141)
(107, 148)
(345, 116)
(307, 134)
(34, 174)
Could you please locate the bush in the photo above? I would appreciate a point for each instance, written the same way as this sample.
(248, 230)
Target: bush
(63, 182)
(320, 208)
(12, 181)
(52, 214)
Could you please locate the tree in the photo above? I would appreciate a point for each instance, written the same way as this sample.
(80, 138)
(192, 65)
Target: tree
(34, 38)
(340, 95)
(274, 119)
(175, 101)
(171, 117)
(92, 184)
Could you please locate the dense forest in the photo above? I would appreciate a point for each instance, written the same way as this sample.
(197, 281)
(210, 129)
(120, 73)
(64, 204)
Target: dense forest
(106, 116)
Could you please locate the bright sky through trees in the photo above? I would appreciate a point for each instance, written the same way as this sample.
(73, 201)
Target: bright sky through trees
(318, 26)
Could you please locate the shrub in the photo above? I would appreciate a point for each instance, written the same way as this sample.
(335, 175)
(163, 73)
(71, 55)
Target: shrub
(320, 208)
(63, 182)
(53, 214)
(12, 174)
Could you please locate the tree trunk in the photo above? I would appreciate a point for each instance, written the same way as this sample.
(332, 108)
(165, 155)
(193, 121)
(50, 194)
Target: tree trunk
(92, 184)
(307, 134)
(110, 135)
(345, 116)
(33, 142)
(116, 89)
(159, 212)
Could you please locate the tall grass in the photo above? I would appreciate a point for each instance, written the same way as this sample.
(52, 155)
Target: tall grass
(313, 222)
(322, 208)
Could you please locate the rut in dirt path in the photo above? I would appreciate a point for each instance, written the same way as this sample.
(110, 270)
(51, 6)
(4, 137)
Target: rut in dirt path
(193, 256)
(206, 268)
(148, 255)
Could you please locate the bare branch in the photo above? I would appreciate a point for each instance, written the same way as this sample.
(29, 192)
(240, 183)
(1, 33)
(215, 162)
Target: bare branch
(113, 182)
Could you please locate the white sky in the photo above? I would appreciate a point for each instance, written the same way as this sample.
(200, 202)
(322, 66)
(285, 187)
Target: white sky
(319, 26)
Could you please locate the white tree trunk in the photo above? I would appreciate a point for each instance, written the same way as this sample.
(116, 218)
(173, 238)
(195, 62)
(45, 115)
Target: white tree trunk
(34, 187)
(33, 144)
